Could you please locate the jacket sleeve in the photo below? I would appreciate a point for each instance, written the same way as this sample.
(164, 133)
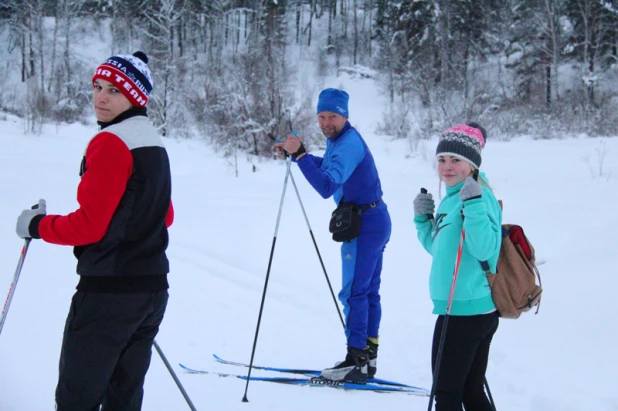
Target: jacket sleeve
(317, 160)
(169, 218)
(482, 223)
(343, 161)
(424, 229)
(109, 165)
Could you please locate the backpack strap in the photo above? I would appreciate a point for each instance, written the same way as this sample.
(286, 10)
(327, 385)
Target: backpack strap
(486, 268)
(538, 275)
(485, 264)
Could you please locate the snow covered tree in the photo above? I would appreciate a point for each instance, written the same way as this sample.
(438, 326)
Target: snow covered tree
(168, 66)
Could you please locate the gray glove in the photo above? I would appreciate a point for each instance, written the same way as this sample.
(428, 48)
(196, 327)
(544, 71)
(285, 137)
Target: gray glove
(471, 189)
(424, 204)
(25, 218)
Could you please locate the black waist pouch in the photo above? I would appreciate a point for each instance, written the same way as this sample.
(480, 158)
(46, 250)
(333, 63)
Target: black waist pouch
(345, 221)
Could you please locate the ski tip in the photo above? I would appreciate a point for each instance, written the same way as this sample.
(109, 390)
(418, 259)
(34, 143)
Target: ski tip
(216, 357)
(189, 370)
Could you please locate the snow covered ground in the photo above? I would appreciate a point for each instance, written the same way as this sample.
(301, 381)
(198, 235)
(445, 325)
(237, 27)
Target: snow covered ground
(562, 192)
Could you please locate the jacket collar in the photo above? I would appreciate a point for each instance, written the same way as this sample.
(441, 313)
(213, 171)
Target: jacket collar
(132, 112)
(342, 132)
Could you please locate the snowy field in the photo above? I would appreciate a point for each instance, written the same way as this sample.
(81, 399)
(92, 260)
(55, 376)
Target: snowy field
(562, 192)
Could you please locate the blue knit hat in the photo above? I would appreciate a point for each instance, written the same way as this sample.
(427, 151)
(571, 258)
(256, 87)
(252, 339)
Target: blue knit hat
(335, 100)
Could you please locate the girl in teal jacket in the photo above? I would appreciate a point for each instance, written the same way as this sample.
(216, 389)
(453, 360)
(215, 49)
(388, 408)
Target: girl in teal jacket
(469, 205)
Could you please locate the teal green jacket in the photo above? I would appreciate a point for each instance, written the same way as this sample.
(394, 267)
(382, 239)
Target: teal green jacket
(482, 223)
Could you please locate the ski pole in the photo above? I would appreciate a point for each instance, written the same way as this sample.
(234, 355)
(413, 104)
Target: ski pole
(173, 374)
(491, 398)
(270, 260)
(9, 297)
(315, 244)
(446, 317)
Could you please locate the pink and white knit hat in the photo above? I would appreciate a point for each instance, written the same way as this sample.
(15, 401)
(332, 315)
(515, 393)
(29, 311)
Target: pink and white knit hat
(464, 141)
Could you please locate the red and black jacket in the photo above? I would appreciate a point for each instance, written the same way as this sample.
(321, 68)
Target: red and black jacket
(119, 230)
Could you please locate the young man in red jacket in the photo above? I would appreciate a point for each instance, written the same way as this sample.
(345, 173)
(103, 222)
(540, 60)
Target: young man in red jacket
(119, 234)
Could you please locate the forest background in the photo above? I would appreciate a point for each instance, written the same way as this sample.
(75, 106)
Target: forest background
(231, 71)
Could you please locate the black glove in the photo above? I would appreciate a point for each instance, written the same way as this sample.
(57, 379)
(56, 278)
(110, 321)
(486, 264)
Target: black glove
(301, 150)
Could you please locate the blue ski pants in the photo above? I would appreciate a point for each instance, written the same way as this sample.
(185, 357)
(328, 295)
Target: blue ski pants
(361, 275)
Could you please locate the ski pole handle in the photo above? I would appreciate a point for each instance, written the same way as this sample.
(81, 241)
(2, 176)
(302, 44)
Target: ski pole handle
(278, 140)
(424, 191)
(290, 122)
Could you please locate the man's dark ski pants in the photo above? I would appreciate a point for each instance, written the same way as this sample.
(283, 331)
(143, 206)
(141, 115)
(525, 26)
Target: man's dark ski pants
(106, 350)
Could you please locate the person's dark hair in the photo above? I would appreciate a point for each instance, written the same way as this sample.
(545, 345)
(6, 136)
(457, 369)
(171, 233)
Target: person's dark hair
(478, 126)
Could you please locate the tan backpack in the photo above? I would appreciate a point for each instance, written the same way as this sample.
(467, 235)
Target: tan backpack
(513, 287)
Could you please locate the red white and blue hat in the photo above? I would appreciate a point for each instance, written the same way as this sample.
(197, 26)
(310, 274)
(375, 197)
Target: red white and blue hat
(130, 74)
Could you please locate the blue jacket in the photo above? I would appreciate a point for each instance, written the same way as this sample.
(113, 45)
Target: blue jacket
(346, 170)
(482, 223)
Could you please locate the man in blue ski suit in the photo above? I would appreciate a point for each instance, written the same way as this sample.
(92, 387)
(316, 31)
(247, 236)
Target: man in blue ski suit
(348, 172)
